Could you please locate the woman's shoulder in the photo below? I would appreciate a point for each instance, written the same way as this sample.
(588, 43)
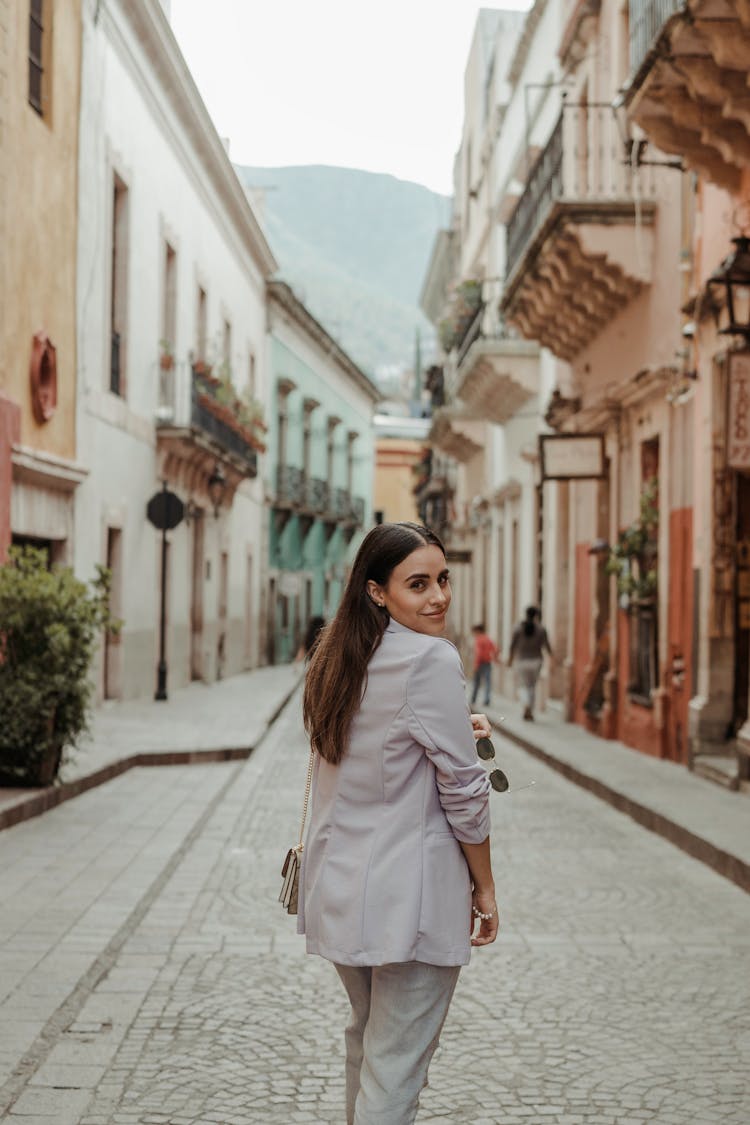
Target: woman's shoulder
(423, 647)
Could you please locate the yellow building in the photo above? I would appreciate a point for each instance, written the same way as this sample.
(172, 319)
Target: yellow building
(399, 448)
(40, 54)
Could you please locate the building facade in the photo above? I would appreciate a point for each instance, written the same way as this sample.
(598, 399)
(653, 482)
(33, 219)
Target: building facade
(687, 95)
(172, 267)
(39, 110)
(602, 170)
(319, 470)
(486, 389)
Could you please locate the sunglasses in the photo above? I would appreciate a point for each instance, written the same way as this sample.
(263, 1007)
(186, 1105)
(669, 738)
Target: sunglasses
(486, 752)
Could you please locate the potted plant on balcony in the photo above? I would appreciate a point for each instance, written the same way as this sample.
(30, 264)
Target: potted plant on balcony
(50, 624)
(240, 413)
(166, 358)
(633, 559)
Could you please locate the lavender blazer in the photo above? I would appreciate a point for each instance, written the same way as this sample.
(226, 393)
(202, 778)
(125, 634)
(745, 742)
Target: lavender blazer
(383, 876)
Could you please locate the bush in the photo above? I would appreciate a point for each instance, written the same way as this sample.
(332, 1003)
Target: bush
(49, 626)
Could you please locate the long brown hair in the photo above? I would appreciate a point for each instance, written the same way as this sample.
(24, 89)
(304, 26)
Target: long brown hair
(338, 669)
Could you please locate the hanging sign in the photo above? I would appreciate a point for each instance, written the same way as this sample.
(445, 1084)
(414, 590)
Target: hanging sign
(572, 456)
(165, 510)
(738, 420)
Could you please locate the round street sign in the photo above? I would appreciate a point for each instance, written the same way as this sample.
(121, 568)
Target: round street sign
(165, 510)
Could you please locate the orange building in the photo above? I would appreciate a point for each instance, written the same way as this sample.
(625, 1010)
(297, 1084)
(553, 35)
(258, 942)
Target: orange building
(40, 56)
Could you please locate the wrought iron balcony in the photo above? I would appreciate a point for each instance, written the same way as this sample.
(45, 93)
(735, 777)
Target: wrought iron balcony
(473, 333)
(198, 431)
(572, 261)
(688, 83)
(358, 510)
(342, 504)
(646, 21)
(290, 486)
(315, 495)
(216, 422)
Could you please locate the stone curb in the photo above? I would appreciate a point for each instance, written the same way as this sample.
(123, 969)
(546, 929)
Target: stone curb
(722, 862)
(41, 802)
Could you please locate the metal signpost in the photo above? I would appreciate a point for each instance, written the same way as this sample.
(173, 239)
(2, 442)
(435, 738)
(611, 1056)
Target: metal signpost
(165, 511)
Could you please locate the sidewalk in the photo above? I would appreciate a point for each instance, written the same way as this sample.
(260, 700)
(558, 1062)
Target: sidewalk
(225, 720)
(709, 822)
(199, 723)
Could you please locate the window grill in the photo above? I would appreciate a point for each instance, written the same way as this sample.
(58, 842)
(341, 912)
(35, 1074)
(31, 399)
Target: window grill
(36, 56)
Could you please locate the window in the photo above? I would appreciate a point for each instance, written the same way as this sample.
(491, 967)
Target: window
(309, 405)
(283, 422)
(119, 265)
(37, 82)
(169, 308)
(644, 638)
(201, 326)
(352, 435)
(251, 373)
(226, 349)
(331, 450)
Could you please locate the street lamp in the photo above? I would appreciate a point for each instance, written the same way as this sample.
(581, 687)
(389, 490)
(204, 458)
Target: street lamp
(217, 486)
(734, 276)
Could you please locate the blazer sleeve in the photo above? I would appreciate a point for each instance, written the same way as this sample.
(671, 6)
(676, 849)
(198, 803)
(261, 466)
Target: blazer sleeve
(439, 720)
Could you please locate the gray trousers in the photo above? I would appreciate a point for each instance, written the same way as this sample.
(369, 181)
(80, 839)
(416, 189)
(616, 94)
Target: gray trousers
(398, 1012)
(528, 674)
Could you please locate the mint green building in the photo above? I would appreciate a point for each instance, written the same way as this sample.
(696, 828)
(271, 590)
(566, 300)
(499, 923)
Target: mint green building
(320, 463)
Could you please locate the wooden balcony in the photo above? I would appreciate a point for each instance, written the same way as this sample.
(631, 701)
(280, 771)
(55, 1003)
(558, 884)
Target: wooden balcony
(573, 258)
(497, 376)
(688, 90)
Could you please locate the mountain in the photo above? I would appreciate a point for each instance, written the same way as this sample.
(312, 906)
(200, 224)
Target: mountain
(354, 246)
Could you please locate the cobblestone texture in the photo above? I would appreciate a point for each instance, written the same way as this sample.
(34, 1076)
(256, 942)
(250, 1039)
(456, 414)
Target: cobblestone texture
(617, 993)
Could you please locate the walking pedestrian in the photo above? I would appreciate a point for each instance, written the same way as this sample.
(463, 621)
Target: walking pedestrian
(528, 645)
(396, 880)
(485, 652)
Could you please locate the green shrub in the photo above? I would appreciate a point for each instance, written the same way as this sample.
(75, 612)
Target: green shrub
(633, 559)
(50, 623)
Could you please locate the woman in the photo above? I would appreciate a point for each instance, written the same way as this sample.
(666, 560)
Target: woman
(528, 643)
(396, 872)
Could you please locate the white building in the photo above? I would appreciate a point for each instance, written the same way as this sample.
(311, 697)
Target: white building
(171, 330)
(495, 384)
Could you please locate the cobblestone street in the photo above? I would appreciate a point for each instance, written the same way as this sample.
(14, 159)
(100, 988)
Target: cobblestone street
(618, 991)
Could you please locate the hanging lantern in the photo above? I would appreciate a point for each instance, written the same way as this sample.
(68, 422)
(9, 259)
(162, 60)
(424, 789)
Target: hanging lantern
(733, 276)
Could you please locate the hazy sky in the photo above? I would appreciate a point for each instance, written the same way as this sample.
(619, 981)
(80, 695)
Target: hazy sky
(375, 85)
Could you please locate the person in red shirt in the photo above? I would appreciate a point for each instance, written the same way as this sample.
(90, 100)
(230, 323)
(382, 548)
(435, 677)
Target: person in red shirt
(485, 652)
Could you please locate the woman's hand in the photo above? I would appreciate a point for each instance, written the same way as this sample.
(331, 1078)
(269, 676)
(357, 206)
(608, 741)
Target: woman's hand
(481, 726)
(484, 930)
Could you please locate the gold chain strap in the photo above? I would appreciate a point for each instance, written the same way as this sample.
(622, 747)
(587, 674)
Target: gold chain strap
(308, 783)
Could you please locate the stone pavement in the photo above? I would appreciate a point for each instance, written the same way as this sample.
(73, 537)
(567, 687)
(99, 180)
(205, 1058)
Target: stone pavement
(221, 721)
(151, 978)
(708, 821)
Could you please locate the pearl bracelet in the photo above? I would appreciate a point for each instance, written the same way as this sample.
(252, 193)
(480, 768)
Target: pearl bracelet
(484, 917)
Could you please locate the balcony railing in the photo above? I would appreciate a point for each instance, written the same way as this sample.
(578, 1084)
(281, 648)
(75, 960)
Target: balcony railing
(342, 504)
(205, 416)
(316, 495)
(583, 163)
(646, 18)
(473, 333)
(358, 510)
(290, 484)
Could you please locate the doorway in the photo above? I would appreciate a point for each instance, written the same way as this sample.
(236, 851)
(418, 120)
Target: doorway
(112, 641)
(742, 603)
(196, 598)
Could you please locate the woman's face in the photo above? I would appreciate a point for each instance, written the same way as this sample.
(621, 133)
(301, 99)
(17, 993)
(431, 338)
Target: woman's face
(418, 592)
